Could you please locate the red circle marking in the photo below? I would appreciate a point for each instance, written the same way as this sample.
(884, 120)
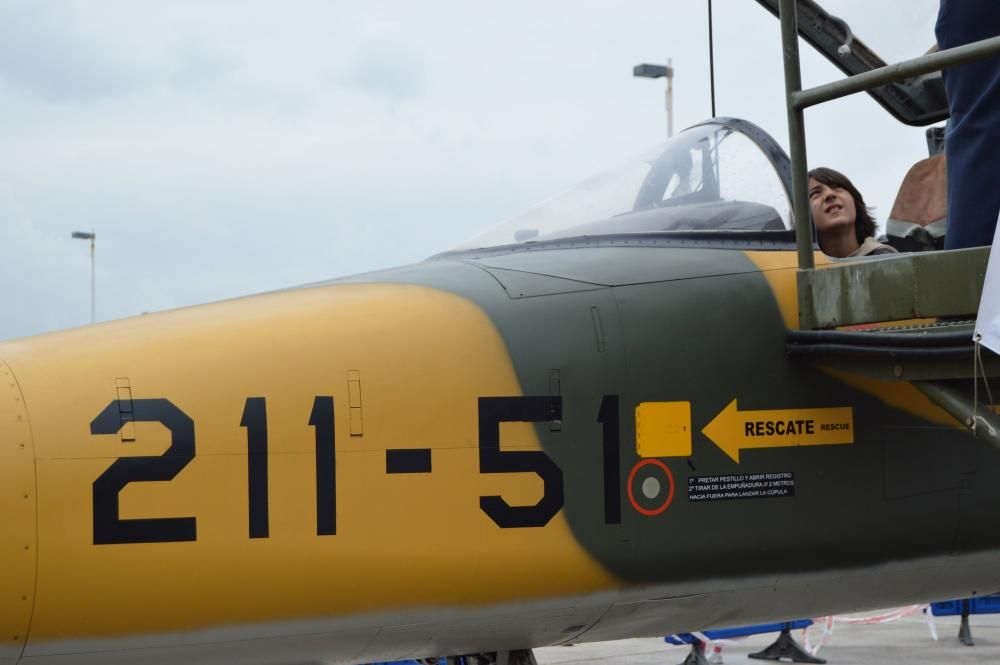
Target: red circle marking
(670, 494)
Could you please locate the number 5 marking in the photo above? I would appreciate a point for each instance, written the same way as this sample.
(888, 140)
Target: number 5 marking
(492, 412)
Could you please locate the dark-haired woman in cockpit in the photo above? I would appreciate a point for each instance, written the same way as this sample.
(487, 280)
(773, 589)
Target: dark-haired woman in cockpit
(844, 224)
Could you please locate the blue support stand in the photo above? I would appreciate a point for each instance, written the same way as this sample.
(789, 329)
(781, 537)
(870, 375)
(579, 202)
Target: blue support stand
(964, 631)
(697, 654)
(963, 608)
(784, 647)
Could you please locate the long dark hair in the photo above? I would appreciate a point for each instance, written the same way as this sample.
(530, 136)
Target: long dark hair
(864, 221)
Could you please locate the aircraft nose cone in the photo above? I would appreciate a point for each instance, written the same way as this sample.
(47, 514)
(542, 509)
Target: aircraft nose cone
(17, 518)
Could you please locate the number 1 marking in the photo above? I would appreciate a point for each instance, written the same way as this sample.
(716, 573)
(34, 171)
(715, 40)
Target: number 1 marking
(255, 421)
(326, 466)
(608, 416)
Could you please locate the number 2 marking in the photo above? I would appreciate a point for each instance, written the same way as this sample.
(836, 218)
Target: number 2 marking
(109, 528)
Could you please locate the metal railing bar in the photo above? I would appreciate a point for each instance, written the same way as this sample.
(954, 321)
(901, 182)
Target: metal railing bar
(796, 134)
(897, 72)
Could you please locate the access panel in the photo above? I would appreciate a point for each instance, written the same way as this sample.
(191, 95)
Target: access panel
(17, 520)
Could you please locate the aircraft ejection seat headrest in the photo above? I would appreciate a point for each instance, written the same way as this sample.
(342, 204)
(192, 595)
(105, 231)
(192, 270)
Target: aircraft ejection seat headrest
(919, 216)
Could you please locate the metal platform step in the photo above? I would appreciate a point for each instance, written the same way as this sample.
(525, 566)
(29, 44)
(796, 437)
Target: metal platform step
(893, 288)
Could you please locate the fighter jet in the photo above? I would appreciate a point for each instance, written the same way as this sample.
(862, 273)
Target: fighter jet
(601, 419)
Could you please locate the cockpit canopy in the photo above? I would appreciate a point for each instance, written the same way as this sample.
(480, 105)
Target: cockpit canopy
(724, 175)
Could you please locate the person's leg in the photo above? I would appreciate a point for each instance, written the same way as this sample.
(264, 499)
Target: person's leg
(972, 144)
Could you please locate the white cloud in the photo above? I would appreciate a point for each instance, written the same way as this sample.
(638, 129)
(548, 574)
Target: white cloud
(386, 68)
(57, 60)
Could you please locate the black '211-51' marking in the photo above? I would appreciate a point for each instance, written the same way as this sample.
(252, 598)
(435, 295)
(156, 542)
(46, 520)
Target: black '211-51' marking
(109, 528)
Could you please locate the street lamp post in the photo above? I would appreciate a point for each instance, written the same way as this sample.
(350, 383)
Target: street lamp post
(646, 70)
(82, 235)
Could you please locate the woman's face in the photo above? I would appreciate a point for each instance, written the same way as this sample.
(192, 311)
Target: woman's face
(832, 207)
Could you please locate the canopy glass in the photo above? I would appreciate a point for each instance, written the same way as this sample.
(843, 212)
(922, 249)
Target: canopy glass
(723, 176)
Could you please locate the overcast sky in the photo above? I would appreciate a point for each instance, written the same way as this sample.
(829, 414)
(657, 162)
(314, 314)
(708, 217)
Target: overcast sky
(221, 148)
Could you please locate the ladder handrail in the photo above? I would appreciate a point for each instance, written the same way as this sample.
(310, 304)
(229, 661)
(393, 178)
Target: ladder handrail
(923, 64)
(796, 134)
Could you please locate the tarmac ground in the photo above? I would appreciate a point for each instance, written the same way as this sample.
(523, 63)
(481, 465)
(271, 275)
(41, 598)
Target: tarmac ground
(904, 641)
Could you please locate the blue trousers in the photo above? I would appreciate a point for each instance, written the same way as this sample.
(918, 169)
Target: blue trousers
(972, 143)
